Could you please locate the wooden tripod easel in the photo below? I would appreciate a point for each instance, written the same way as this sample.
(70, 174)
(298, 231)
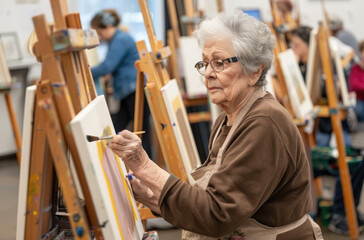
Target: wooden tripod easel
(5, 74)
(151, 66)
(66, 87)
(334, 113)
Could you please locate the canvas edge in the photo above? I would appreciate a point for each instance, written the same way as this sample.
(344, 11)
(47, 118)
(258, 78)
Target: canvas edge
(25, 161)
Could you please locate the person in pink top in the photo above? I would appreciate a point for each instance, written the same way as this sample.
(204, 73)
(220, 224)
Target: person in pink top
(356, 84)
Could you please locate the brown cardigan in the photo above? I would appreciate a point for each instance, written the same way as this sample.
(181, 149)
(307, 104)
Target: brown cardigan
(264, 175)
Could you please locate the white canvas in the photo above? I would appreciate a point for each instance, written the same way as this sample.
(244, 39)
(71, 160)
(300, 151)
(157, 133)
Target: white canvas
(314, 70)
(106, 174)
(25, 159)
(191, 53)
(342, 81)
(297, 91)
(181, 127)
(5, 78)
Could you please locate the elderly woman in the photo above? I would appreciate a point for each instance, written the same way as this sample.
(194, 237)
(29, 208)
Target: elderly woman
(255, 182)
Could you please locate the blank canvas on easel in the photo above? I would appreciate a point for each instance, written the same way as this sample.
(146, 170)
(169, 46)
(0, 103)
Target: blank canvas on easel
(105, 174)
(297, 91)
(181, 127)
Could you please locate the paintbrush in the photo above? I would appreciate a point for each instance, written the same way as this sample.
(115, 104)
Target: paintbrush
(91, 138)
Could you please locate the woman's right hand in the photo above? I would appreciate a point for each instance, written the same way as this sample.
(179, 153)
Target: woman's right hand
(128, 147)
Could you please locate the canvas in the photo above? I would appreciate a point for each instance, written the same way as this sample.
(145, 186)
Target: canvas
(191, 53)
(345, 96)
(5, 79)
(106, 174)
(314, 69)
(297, 91)
(181, 127)
(25, 159)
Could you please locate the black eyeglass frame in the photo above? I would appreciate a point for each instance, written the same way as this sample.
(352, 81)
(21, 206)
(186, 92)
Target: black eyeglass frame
(201, 64)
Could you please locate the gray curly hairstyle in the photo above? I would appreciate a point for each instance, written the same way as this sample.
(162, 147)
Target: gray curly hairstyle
(252, 40)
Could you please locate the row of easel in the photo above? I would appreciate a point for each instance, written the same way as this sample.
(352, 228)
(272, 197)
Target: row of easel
(65, 88)
(331, 110)
(57, 102)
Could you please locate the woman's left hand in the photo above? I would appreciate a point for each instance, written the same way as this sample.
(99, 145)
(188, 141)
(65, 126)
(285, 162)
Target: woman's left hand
(144, 195)
(128, 147)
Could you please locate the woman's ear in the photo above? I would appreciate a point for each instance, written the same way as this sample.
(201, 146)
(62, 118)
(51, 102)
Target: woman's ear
(255, 76)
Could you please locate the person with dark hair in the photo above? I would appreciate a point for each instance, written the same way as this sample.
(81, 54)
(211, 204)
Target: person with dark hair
(300, 40)
(119, 62)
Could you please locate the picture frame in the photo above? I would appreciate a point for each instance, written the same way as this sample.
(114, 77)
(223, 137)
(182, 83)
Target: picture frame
(106, 174)
(11, 46)
(181, 127)
(297, 91)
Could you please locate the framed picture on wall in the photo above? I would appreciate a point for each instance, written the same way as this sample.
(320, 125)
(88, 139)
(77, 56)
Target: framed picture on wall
(11, 46)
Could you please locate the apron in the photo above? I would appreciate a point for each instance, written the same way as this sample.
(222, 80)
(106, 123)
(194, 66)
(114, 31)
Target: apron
(251, 229)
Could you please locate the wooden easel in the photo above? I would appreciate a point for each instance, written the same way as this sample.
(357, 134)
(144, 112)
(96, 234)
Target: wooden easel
(151, 66)
(13, 121)
(173, 69)
(5, 89)
(334, 114)
(64, 73)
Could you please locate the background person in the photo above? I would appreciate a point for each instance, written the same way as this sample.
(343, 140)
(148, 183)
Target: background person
(119, 62)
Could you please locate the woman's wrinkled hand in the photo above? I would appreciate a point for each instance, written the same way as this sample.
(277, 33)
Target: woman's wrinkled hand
(128, 147)
(144, 195)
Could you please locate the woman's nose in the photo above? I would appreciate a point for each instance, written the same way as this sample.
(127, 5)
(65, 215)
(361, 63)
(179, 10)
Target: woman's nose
(209, 72)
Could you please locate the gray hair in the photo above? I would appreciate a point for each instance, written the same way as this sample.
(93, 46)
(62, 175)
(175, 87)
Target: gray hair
(335, 22)
(252, 40)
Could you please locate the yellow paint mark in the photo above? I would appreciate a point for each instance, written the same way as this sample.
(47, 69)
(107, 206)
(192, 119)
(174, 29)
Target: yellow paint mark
(32, 188)
(101, 148)
(126, 189)
(35, 213)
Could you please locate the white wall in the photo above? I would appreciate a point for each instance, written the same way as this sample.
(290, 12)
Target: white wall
(351, 11)
(17, 17)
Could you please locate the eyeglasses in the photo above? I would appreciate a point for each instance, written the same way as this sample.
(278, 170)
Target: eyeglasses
(216, 64)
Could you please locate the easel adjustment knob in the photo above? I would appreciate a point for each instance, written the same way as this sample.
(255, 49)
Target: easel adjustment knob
(79, 231)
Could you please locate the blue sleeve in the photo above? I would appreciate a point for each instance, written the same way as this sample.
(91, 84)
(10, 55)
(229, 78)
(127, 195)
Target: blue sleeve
(117, 50)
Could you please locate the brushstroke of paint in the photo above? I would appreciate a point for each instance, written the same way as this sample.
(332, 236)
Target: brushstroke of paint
(124, 212)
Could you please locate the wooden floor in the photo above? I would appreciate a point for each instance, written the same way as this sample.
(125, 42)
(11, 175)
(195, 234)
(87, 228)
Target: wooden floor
(9, 178)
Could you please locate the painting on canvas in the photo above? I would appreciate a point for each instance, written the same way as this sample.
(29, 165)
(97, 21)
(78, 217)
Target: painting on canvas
(181, 127)
(297, 91)
(105, 174)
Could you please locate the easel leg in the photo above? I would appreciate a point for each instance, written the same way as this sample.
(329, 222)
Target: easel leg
(139, 101)
(57, 146)
(15, 126)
